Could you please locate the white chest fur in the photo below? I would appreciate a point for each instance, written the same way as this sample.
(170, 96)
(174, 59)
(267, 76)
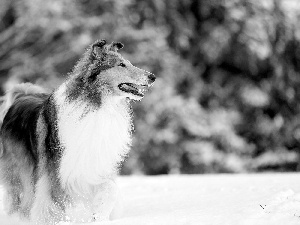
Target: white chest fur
(94, 143)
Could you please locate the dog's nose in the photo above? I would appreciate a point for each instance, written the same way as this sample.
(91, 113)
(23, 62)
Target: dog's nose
(151, 77)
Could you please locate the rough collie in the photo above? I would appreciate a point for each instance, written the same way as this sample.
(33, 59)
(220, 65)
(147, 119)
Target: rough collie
(63, 149)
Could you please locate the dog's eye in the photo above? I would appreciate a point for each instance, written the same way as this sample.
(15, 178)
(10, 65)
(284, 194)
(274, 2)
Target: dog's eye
(122, 64)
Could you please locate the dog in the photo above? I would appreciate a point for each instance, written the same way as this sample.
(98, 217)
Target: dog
(63, 148)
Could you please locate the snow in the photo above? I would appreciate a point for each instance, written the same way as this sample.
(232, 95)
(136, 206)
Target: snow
(243, 199)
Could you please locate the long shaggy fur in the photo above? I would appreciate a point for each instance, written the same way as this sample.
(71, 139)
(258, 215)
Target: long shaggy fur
(19, 113)
(62, 150)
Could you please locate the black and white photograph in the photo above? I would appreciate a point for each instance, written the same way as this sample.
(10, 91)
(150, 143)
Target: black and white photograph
(149, 112)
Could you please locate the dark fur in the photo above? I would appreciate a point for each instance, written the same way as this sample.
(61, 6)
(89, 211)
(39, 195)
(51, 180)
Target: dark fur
(85, 86)
(29, 132)
(20, 121)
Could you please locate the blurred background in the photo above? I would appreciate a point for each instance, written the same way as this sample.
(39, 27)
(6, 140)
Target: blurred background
(227, 95)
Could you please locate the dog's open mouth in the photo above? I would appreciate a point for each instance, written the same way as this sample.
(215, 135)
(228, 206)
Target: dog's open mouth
(134, 89)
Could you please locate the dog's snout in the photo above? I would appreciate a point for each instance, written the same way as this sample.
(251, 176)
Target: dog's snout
(151, 77)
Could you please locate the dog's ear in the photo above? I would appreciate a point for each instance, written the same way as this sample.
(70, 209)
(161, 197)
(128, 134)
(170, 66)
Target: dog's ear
(115, 46)
(97, 49)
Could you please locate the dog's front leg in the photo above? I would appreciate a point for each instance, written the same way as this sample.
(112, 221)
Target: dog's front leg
(105, 199)
(45, 211)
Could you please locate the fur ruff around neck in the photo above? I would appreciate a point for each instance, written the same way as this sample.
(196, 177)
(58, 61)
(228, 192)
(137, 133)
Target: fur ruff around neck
(94, 142)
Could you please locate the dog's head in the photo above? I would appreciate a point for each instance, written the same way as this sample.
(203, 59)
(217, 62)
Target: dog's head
(103, 71)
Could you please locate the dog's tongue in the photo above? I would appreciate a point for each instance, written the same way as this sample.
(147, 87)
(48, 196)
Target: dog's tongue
(129, 87)
(133, 88)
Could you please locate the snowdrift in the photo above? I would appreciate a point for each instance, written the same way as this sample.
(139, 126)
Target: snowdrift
(204, 199)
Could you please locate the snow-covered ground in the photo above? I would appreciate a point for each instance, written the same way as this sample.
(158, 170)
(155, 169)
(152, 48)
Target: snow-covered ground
(205, 199)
